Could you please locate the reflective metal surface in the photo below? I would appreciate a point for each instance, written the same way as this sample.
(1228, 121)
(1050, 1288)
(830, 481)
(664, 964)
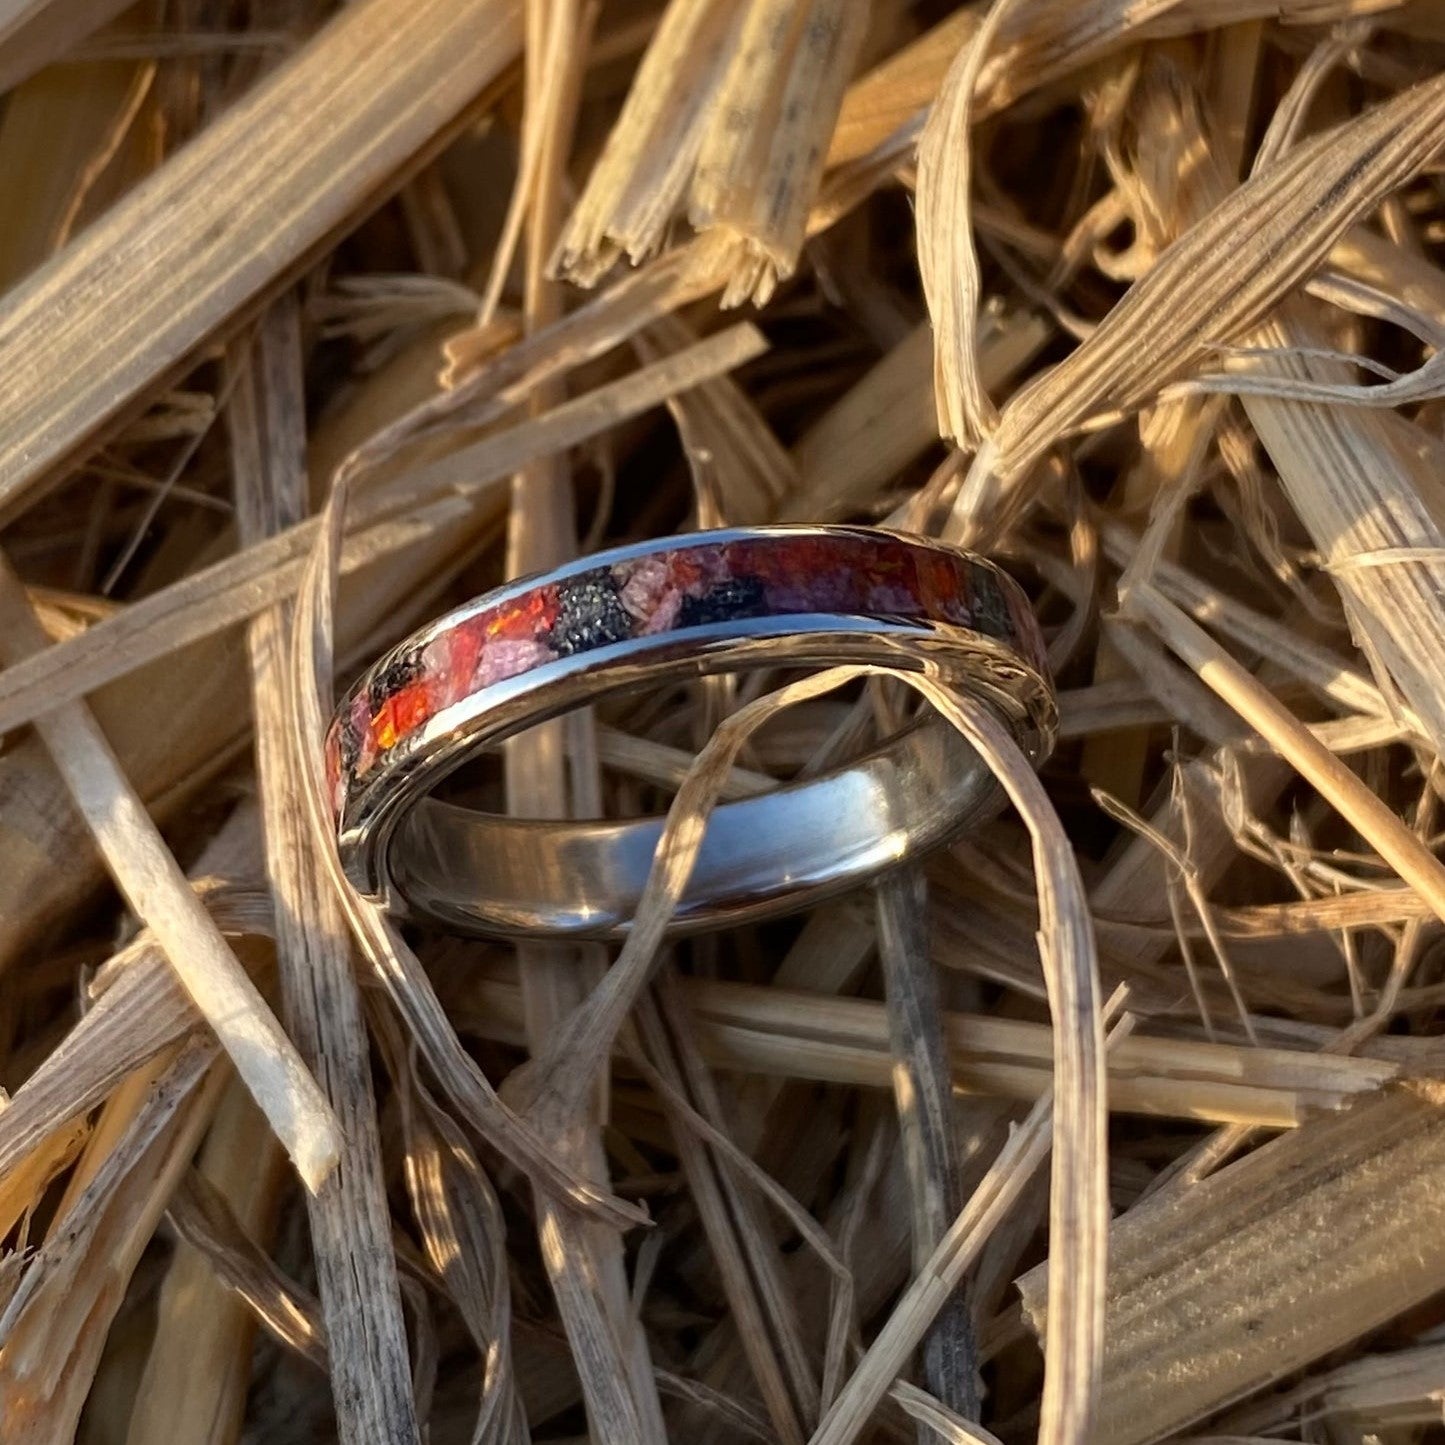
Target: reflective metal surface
(781, 850)
(476, 872)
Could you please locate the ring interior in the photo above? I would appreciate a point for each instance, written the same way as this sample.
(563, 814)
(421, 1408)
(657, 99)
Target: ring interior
(484, 873)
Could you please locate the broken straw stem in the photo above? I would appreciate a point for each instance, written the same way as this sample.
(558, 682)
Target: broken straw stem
(1376, 822)
(161, 896)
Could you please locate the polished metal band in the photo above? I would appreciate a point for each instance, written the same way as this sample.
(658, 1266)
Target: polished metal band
(661, 611)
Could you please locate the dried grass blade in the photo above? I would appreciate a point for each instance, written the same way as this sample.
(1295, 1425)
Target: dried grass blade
(1078, 1194)
(762, 150)
(1384, 830)
(198, 1368)
(887, 1357)
(734, 1017)
(947, 260)
(1361, 484)
(423, 501)
(35, 32)
(158, 892)
(204, 1220)
(350, 1218)
(1328, 1254)
(1055, 37)
(55, 1323)
(891, 96)
(584, 1260)
(780, 1033)
(1213, 285)
(465, 1235)
(746, 1254)
(1403, 1384)
(229, 216)
(639, 182)
(923, 1095)
(937, 1418)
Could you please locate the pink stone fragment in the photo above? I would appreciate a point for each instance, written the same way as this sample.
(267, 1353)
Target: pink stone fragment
(649, 593)
(504, 657)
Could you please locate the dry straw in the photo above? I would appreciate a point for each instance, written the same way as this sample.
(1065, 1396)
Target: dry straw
(356, 1273)
(315, 320)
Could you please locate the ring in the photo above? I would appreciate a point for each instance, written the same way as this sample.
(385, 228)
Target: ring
(660, 612)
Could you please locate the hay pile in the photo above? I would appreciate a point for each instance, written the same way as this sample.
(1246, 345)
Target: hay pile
(317, 319)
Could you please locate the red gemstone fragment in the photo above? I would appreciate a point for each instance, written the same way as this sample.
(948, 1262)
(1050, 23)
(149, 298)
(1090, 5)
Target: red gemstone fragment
(890, 577)
(403, 712)
(682, 587)
(799, 574)
(451, 660)
(692, 570)
(524, 618)
(944, 590)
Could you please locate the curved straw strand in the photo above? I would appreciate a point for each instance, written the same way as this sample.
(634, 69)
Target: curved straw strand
(1079, 1185)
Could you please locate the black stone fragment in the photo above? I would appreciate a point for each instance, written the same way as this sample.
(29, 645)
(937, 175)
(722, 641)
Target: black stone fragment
(736, 597)
(589, 614)
(393, 675)
(348, 741)
(990, 606)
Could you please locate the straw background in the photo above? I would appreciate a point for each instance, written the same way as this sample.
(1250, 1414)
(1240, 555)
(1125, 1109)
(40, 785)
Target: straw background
(1119, 1122)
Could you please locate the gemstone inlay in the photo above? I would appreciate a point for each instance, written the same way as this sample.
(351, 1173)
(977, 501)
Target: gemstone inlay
(691, 584)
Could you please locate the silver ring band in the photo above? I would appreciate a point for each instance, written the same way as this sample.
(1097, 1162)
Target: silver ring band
(677, 608)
